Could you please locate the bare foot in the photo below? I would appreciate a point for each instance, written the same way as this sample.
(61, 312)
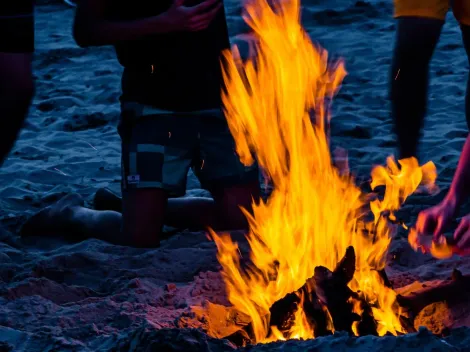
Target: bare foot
(105, 199)
(54, 220)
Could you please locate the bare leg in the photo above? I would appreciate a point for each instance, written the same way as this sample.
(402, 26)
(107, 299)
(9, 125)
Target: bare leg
(199, 212)
(55, 219)
(142, 219)
(139, 226)
(416, 39)
(194, 213)
(190, 213)
(221, 213)
(16, 92)
(144, 211)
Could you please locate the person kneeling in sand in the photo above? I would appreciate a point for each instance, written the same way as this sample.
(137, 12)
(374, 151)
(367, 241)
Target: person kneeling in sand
(434, 221)
(171, 120)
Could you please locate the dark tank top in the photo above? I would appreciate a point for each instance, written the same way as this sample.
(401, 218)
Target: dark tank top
(175, 71)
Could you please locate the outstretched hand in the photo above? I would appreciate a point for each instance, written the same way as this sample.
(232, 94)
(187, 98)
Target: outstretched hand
(192, 18)
(435, 220)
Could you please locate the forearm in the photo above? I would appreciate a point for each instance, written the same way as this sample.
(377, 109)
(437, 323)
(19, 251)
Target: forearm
(96, 32)
(460, 188)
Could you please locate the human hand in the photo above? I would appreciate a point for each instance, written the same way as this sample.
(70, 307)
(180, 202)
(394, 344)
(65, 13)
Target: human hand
(195, 18)
(427, 234)
(435, 220)
(462, 236)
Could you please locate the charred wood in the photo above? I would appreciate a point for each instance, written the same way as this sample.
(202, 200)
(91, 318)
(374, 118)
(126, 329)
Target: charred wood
(457, 288)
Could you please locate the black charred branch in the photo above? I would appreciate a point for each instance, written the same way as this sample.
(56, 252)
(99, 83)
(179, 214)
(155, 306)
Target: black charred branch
(332, 290)
(283, 311)
(324, 295)
(329, 289)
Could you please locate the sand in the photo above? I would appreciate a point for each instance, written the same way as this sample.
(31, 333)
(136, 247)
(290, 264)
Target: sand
(93, 296)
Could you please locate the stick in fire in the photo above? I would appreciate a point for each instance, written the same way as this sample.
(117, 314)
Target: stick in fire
(327, 298)
(327, 302)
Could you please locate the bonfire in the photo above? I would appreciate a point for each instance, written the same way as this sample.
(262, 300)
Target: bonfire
(317, 256)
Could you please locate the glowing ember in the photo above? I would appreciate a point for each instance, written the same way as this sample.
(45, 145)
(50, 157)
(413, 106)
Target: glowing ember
(314, 212)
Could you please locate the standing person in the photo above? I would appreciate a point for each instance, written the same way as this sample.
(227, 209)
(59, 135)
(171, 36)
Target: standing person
(419, 25)
(16, 80)
(171, 120)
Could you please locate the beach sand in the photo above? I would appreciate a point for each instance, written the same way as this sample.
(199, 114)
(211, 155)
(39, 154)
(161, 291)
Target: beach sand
(93, 296)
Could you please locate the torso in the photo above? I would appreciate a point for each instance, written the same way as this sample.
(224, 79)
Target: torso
(187, 73)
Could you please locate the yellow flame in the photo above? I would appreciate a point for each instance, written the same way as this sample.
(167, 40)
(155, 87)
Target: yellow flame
(400, 183)
(357, 308)
(314, 211)
(301, 328)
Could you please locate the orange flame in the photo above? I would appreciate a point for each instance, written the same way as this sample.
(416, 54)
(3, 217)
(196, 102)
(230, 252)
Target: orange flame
(400, 183)
(314, 212)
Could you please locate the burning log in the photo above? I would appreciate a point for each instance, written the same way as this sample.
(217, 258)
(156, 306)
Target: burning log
(283, 312)
(333, 291)
(324, 298)
(242, 337)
